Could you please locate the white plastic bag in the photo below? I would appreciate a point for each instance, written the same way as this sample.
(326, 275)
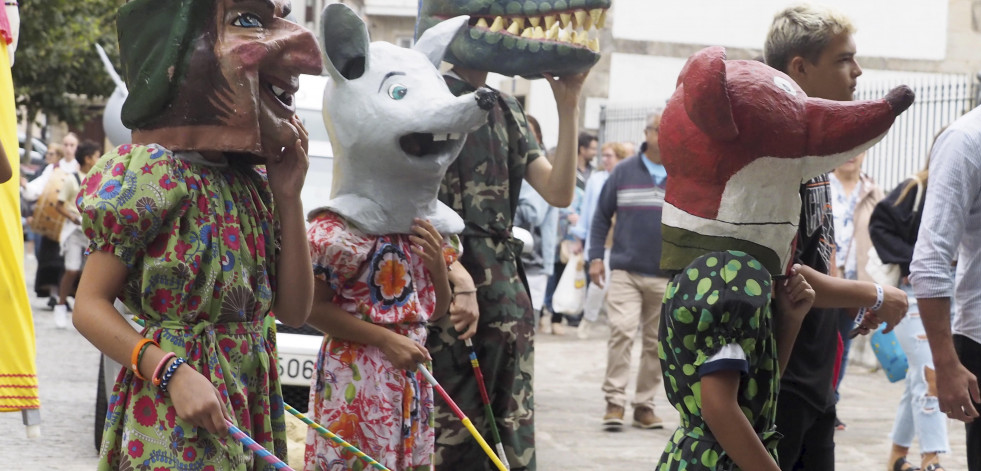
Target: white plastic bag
(886, 274)
(570, 293)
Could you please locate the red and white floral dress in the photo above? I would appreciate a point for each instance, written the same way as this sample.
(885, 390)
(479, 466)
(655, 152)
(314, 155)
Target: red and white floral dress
(357, 393)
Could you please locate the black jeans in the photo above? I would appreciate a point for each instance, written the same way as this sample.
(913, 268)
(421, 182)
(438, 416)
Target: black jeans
(808, 442)
(969, 352)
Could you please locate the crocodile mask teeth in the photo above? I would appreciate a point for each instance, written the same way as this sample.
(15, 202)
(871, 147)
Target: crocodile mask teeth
(526, 38)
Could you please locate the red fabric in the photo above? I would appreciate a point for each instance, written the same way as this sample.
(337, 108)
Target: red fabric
(5, 30)
(839, 353)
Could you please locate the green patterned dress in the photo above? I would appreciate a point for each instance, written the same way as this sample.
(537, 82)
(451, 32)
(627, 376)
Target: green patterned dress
(200, 242)
(721, 298)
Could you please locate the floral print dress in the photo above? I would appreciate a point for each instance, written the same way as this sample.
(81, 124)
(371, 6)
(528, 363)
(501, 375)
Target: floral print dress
(720, 300)
(200, 242)
(357, 393)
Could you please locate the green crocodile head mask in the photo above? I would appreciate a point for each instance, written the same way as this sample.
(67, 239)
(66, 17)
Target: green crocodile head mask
(521, 37)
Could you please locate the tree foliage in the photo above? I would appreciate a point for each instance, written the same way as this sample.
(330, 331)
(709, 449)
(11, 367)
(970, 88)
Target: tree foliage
(57, 66)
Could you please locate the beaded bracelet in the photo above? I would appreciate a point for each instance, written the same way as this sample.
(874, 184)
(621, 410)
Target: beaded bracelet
(160, 367)
(11, 4)
(165, 381)
(137, 354)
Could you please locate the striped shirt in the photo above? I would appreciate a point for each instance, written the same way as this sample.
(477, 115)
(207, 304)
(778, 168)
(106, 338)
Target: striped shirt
(632, 196)
(951, 226)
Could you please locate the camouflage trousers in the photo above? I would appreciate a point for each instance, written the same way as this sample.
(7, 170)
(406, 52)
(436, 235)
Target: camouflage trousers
(505, 351)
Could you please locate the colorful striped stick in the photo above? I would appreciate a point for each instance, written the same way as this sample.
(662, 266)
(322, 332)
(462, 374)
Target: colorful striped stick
(340, 441)
(257, 448)
(488, 411)
(463, 418)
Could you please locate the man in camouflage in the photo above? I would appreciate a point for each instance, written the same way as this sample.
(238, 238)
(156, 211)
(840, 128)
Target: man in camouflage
(483, 186)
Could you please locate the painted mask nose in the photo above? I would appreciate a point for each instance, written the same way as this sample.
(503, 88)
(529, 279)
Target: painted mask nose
(301, 53)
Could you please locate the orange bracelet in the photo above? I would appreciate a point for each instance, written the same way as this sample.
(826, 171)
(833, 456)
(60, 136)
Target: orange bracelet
(135, 356)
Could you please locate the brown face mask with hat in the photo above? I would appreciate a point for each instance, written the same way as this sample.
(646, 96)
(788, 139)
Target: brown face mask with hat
(214, 75)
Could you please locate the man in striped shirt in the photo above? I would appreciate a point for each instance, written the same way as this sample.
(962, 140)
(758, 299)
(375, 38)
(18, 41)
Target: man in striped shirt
(951, 230)
(634, 193)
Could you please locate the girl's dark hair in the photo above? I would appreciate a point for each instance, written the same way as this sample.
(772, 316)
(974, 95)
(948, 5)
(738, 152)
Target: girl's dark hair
(85, 149)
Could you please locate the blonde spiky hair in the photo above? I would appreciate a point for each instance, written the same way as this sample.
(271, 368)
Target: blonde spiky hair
(803, 30)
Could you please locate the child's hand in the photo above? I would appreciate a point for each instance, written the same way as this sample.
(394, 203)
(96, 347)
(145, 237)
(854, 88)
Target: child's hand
(403, 352)
(197, 401)
(794, 296)
(429, 245)
(464, 314)
(287, 172)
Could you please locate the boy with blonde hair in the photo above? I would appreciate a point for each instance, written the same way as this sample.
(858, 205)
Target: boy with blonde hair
(814, 46)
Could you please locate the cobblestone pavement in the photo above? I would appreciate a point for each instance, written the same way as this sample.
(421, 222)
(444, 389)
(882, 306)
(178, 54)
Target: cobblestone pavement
(569, 404)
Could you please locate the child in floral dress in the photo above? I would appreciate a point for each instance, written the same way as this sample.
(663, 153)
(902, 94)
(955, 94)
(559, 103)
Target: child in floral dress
(198, 228)
(373, 296)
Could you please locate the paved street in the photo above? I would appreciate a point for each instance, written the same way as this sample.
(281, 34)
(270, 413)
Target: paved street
(568, 398)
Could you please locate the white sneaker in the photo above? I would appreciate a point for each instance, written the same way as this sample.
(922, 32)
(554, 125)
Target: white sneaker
(61, 316)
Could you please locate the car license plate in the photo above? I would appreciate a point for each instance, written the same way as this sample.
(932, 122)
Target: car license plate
(296, 370)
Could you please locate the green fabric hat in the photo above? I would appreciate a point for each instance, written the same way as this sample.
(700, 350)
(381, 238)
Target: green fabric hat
(155, 45)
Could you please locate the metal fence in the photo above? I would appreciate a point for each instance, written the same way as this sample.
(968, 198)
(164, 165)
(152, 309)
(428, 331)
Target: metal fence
(903, 151)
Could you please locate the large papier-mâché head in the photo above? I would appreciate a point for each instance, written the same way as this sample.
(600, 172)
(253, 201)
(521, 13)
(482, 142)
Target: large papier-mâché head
(527, 38)
(737, 139)
(213, 75)
(393, 123)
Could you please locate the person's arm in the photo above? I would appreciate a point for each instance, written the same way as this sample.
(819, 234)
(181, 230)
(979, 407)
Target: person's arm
(63, 204)
(794, 298)
(329, 318)
(831, 292)
(195, 399)
(731, 428)
(950, 197)
(599, 227)
(294, 283)
(5, 169)
(464, 310)
(556, 182)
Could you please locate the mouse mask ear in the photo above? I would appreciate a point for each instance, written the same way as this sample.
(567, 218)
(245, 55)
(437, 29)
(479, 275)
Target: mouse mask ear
(344, 40)
(706, 96)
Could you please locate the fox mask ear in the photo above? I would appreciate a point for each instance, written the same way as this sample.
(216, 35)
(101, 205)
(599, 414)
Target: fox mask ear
(706, 98)
(344, 40)
(435, 40)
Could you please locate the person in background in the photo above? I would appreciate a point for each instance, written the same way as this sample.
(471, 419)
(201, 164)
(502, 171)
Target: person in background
(68, 162)
(853, 197)
(611, 154)
(950, 231)
(567, 246)
(634, 193)
(50, 263)
(541, 219)
(73, 241)
(893, 226)
(584, 161)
